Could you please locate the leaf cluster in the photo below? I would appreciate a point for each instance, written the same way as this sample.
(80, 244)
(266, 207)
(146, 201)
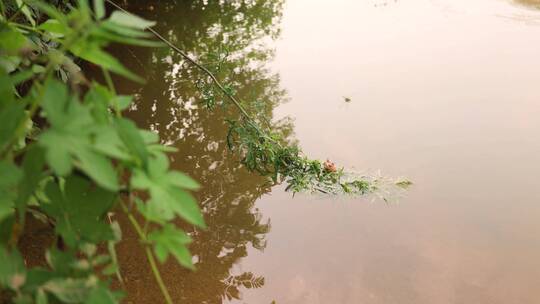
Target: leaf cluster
(264, 154)
(264, 148)
(267, 153)
(68, 155)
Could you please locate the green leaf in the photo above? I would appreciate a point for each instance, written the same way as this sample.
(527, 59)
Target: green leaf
(114, 36)
(12, 270)
(181, 180)
(99, 9)
(98, 98)
(154, 212)
(109, 143)
(62, 147)
(148, 136)
(57, 155)
(130, 135)
(50, 10)
(168, 197)
(130, 20)
(11, 174)
(98, 167)
(69, 290)
(59, 261)
(7, 89)
(122, 101)
(55, 28)
(170, 240)
(55, 100)
(102, 100)
(9, 63)
(186, 207)
(123, 30)
(26, 12)
(11, 40)
(93, 53)
(23, 298)
(159, 166)
(41, 297)
(7, 226)
(38, 69)
(79, 210)
(101, 296)
(154, 149)
(11, 116)
(32, 166)
(21, 76)
(6, 207)
(71, 139)
(37, 276)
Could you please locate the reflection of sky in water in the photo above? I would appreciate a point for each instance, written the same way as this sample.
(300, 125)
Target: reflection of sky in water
(443, 92)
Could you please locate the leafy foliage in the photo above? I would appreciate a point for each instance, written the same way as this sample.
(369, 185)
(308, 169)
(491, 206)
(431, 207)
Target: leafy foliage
(268, 153)
(68, 155)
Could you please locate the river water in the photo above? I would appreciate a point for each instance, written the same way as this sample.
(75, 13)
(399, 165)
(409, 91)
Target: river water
(445, 93)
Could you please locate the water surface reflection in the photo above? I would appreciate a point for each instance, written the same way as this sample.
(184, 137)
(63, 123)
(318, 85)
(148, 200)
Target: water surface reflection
(443, 92)
(172, 105)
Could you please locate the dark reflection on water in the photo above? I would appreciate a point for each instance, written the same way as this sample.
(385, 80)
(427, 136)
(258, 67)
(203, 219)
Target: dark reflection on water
(171, 104)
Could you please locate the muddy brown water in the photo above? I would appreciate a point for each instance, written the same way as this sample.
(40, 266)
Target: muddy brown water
(446, 93)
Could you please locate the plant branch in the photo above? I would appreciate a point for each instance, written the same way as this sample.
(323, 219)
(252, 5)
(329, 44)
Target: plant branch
(155, 270)
(231, 97)
(149, 254)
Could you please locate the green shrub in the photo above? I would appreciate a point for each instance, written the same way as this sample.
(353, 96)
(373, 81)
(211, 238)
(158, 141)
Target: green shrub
(68, 154)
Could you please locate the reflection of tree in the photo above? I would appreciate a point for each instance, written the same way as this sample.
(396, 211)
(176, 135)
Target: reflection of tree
(170, 103)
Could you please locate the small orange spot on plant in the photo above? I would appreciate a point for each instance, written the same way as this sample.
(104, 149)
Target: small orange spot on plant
(329, 166)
